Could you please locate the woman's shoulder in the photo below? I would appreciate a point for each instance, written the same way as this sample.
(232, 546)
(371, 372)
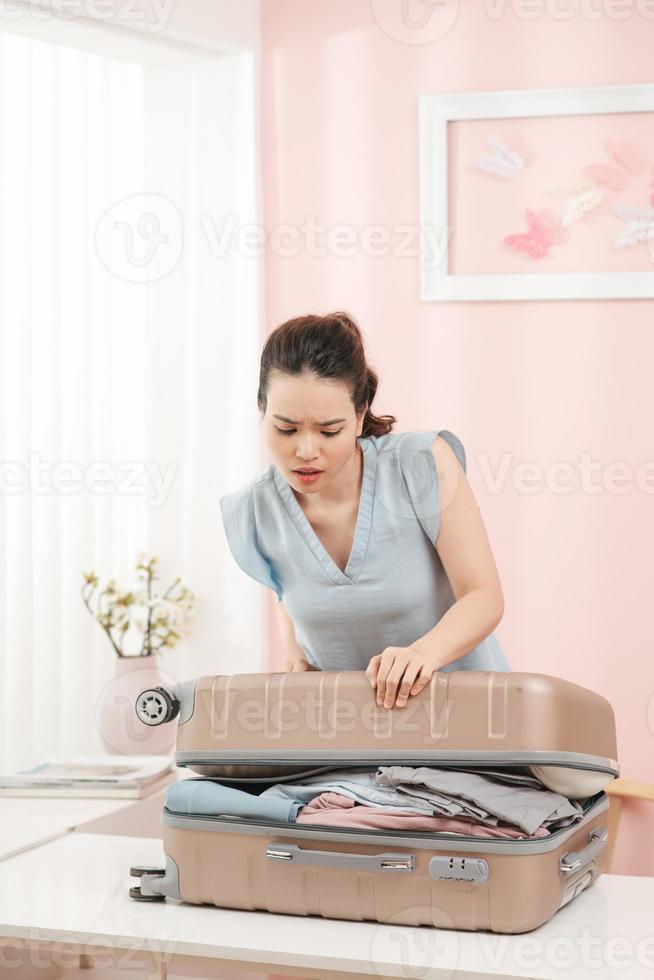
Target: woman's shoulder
(244, 521)
(408, 482)
(244, 496)
(405, 447)
(247, 511)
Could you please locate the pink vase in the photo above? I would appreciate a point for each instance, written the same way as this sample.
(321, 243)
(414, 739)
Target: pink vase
(122, 732)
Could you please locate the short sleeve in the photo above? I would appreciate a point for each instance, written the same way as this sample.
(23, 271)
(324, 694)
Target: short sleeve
(241, 533)
(418, 469)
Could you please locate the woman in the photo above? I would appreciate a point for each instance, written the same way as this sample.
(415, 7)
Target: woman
(371, 539)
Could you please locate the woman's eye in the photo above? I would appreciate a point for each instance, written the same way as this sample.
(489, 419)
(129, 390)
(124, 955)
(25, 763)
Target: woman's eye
(288, 432)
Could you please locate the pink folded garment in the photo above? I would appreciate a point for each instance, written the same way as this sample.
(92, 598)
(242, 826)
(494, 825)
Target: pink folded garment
(336, 810)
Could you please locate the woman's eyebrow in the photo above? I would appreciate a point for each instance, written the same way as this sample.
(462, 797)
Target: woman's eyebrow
(283, 418)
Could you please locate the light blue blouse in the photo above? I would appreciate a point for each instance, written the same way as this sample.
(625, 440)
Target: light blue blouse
(394, 588)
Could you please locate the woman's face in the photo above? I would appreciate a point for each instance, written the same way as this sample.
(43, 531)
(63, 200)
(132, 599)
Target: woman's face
(310, 424)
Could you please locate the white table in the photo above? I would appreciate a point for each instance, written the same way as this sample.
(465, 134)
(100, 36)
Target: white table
(75, 889)
(28, 821)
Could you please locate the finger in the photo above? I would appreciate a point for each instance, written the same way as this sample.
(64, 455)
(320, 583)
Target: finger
(372, 669)
(393, 680)
(405, 688)
(390, 672)
(385, 665)
(422, 680)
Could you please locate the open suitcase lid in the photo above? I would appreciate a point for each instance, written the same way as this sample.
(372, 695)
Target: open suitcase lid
(331, 717)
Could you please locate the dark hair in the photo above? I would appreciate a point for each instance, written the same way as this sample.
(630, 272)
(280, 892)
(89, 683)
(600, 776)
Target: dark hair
(330, 347)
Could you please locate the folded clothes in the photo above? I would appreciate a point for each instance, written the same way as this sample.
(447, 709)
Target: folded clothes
(520, 776)
(441, 792)
(360, 785)
(203, 795)
(468, 797)
(524, 806)
(335, 810)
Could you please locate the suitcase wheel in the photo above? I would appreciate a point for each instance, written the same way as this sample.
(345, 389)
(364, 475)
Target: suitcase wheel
(155, 706)
(140, 869)
(135, 893)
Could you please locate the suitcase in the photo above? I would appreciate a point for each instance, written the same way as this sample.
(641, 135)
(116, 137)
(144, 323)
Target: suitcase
(253, 730)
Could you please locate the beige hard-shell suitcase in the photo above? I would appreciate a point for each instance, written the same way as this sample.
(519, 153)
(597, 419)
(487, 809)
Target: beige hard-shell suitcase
(253, 730)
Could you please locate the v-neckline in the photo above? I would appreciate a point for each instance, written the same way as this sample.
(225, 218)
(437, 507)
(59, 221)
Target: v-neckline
(363, 524)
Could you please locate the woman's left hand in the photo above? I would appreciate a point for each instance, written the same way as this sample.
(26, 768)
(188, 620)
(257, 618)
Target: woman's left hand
(400, 671)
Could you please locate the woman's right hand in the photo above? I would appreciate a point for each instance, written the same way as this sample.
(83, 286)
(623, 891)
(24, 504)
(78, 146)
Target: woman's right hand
(292, 666)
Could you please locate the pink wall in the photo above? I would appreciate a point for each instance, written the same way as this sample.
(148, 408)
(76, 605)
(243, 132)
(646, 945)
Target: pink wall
(533, 381)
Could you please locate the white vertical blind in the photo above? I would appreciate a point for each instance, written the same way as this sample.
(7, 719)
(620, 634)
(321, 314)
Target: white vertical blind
(98, 373)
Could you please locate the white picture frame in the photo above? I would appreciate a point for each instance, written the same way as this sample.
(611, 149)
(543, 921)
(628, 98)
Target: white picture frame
(437, 283)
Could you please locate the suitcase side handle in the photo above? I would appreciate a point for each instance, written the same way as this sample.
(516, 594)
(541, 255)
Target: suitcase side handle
(387, 861)
(574, 860)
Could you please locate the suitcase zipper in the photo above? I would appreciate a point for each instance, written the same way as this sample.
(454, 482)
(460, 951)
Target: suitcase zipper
(357, 763)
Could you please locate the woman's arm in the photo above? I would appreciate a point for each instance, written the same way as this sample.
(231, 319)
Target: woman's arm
(293, 652)
(465, 552)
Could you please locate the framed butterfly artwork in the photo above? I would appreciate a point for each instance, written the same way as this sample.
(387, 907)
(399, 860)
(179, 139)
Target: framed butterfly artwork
(538, 194)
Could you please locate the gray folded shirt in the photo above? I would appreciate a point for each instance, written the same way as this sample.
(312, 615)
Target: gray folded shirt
(523, 806)
(358, 786)
(447, 792)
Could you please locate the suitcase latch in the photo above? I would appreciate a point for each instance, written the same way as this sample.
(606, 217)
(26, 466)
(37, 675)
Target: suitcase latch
(458, 869)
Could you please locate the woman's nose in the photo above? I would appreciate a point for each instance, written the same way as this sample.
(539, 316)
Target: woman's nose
(305, 451)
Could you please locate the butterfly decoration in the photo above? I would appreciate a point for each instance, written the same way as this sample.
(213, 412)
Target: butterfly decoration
(581, 197)
(504, 163)
(625, 161)
(640, 226)
(545, 230)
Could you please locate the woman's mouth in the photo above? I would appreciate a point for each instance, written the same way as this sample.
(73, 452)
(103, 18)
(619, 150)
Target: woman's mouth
(308, 475)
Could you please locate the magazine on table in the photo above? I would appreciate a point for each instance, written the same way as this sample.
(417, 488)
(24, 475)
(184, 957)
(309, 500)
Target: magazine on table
(87, 775)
